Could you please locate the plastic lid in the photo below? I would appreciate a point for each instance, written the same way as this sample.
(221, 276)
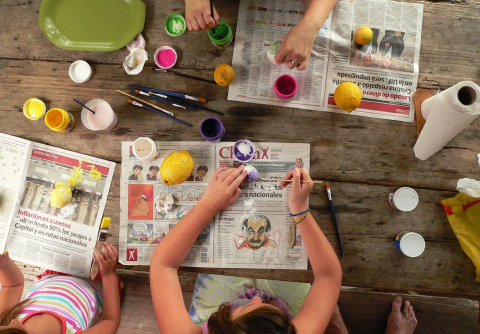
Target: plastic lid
(80, 71)
(106, 222)
(412, 244)
(405, 199)
(175, 25)
(34, 109)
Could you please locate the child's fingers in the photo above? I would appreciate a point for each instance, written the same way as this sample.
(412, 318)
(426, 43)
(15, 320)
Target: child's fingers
(98, 257)
(230, 177)
(194, 24)
(217, 173)
(289, 176)
(217, 17)
(236, 183)
(225, 173)
(201, 22)
(107, 255)
(303, 65)
(209, 20)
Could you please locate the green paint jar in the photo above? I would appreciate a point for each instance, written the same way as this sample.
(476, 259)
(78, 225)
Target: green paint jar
(175, 25)
(223, 35)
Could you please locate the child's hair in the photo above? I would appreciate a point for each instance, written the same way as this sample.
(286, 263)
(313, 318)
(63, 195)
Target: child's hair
(10, 314)
(12, 331)
(259, 321)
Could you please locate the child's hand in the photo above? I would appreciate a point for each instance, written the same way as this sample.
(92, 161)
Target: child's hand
(198, 15)
(298, 194)
(223, 189)
(4, 260)
(108, 261)
(296, 46)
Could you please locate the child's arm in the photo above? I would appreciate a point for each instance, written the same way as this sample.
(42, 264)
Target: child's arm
(12, 282)
(198, 15)
(111, 295)
(297, 44)
(170, 311)
(317, 309)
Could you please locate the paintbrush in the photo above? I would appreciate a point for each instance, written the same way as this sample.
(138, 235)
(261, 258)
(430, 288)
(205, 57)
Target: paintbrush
(329, 193)
(183, 96)
(138, 104)
(139, 92)
(166, 97)
(303, 181)
(150, 104)
(80, 103)
(185, 75)
(213, 17)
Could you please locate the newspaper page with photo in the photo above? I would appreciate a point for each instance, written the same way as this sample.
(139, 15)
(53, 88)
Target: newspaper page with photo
(386, 70)
(251, 233)
(149, 209)
(43, 235)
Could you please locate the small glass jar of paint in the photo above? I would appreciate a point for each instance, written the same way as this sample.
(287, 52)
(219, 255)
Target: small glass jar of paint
(145, 149)
(212, 129)
(403, 199)
(223, 35)
(410, 244)
(80, 71)
(34, 109)
(165, 57)
(285, 87)
(103, 119)
(243, 150)
(175, 25)
(59, 120)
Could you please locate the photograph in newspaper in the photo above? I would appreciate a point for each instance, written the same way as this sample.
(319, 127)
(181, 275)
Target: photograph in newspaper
(386, 70)
(59, 239)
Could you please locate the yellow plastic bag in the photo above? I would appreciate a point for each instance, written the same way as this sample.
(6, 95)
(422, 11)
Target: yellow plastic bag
(463, 212)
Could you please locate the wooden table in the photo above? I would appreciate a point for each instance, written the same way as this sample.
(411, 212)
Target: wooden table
(362, 158)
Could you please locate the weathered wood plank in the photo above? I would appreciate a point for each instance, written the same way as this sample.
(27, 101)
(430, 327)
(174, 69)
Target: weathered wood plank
(344, 148)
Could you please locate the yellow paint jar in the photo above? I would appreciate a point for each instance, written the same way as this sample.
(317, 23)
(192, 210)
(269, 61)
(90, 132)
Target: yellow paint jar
(34, 109)
(59, 120)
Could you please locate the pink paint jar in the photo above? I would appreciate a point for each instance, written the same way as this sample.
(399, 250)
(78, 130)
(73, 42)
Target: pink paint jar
(165, 57)
(285, 87)
(103, 119)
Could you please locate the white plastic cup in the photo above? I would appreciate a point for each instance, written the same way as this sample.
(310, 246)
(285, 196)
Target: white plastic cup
(403, 199)
(103, 119)
(410, 244)
(80, 71)
(145, 149)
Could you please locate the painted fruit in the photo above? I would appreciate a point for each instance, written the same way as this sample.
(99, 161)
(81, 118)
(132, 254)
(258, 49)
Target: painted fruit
(252, 174)
(224, 75)
(347, 96)
(61, 195)
(176, 168)
(363, 35)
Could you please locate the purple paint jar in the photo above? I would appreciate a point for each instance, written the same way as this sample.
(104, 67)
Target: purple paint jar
(243, 150)
(212, 129)
(285, 87)
(252, 174)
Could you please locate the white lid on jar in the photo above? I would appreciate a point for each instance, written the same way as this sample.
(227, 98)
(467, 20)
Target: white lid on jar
(412, 244)
(405, 199)
(80, 71)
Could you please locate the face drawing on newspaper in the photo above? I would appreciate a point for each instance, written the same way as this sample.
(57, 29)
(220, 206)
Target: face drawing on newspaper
(255, 242)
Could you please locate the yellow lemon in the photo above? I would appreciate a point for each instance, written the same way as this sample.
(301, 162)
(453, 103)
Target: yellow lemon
(347, 96)
(61, 195)
(176, 168)
(363, 35)
(224, 75)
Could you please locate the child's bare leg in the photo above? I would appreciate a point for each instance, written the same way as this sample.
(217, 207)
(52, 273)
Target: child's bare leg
(336, 324)
(401, 321)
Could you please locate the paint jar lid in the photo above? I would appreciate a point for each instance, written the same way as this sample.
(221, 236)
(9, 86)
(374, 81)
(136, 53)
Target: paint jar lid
(80, 71)
(175, 25)
(34, 109)
(412, 244)
(405, 199)
(145, 149)
(243, 150)
(163, 57)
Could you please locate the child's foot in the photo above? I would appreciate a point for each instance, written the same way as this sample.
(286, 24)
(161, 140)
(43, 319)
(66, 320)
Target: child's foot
(336, 324)
(401, 321)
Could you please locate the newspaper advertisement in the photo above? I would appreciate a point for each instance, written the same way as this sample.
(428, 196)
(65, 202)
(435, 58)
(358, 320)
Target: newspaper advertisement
(386, 69)
(251, 233)
(40, 234)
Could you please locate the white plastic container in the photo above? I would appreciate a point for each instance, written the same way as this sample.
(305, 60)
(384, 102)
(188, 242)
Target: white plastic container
(403, 199)
(145, 149)
(80, 71)
(103, 119)
(410, 244)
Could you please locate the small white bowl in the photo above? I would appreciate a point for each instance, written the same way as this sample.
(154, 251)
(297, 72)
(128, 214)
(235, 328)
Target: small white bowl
(80, 71)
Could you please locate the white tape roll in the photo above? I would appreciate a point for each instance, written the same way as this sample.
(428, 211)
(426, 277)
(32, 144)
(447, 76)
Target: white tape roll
(447, 113)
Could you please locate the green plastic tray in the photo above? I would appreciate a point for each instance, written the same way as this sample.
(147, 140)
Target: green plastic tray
(91, 25)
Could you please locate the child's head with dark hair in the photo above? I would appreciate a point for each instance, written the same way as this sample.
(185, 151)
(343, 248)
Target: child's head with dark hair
(261, 320)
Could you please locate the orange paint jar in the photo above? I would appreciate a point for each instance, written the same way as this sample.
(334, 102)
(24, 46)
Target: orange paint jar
(59, 120)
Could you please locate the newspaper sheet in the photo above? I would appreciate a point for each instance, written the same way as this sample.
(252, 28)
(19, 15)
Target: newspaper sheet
(252, 233)
(38, 233)
(386, 70)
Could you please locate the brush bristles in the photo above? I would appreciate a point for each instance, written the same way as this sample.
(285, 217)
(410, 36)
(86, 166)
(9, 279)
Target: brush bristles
(327, 185)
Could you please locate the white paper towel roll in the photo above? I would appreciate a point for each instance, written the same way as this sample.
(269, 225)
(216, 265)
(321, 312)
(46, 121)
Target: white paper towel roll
(447, 113)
